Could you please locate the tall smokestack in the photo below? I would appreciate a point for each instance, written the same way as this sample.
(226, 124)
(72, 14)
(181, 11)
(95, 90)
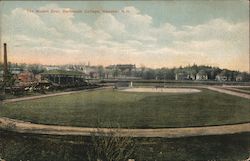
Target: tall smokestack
(5, 59)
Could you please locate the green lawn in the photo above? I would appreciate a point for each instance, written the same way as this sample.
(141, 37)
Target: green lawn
(143, 110)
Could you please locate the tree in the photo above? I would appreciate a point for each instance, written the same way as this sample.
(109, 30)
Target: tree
(36, 69)
(149, 74)
(100, 70)
(110, 146)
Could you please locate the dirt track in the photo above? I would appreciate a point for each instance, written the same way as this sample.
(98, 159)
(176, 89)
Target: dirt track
(224, 90)
(27, 127)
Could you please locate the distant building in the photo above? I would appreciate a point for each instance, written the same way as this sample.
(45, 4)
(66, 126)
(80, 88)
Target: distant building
(15, 71)
(239, 78)
(181, 76)
(201, 75)
(62, 77)
(191, 76)
(121, 70)
(220, 77)
(38, 78)
(94, 75)
(26, 77)
(184, 76)
(52, 68)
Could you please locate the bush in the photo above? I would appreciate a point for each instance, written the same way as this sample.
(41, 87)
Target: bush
(110, 146)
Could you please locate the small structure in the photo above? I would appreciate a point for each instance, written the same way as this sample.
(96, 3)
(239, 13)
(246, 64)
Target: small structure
(221, 78)
(191, 76)
(201, 75)
(239, 78)
(26, 77)
(181, 76)
(131, 84)
(64, 78)
(121, 70)
(94, 75)
(15, 71)
(52, 68)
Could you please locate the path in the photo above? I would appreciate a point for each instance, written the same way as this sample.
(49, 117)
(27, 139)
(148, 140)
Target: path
(27, 127)
(238, 90)
(222, 90)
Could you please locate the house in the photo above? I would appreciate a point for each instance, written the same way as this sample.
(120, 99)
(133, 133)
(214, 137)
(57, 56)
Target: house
(52, 68)
(15, 71)
(191, 76)
(121, 70)
(201, 75)
(239, 78)
(221, 78)
(38, 78)
(94, 75)
(26, 77)
(181, 76)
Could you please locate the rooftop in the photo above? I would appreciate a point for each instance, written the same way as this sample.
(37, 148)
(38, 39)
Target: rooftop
(62, 72)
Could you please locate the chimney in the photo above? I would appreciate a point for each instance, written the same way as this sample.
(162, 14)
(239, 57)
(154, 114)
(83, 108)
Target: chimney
(5, 62)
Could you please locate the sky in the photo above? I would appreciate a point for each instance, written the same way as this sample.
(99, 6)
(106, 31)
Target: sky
(150, 33)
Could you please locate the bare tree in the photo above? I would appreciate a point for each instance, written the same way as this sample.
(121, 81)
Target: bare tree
(110, 146)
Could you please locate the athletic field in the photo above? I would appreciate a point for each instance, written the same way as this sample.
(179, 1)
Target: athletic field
(108, 107)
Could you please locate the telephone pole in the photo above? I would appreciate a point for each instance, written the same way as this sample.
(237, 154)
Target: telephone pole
(5, 65)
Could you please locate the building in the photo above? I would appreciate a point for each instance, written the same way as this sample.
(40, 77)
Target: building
(52, 68)
(121, 70)
(15, 71)
(239, 78)
(221, 78)
(26, 77)
(191, 77)
(201, 75)
(64, 78)
(94, 75)
(181, 76)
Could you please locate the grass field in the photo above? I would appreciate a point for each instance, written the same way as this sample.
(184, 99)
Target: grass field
(134, 110)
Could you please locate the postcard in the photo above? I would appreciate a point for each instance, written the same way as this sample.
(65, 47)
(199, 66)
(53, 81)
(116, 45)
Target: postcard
(124, 80)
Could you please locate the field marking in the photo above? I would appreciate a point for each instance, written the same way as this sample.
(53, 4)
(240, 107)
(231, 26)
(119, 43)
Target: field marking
(238, 90)
(161, 90)
(224, 90)
(27, 127)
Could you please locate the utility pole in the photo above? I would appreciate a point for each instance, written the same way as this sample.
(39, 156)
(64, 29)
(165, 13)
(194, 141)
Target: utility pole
(5, 65)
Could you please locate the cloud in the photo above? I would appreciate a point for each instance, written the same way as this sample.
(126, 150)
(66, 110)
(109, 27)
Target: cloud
(110, 24)
(134, 18)
(124, 38)
(20, 21)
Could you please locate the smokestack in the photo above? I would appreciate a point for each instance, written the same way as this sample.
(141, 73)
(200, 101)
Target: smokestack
(5, 59)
